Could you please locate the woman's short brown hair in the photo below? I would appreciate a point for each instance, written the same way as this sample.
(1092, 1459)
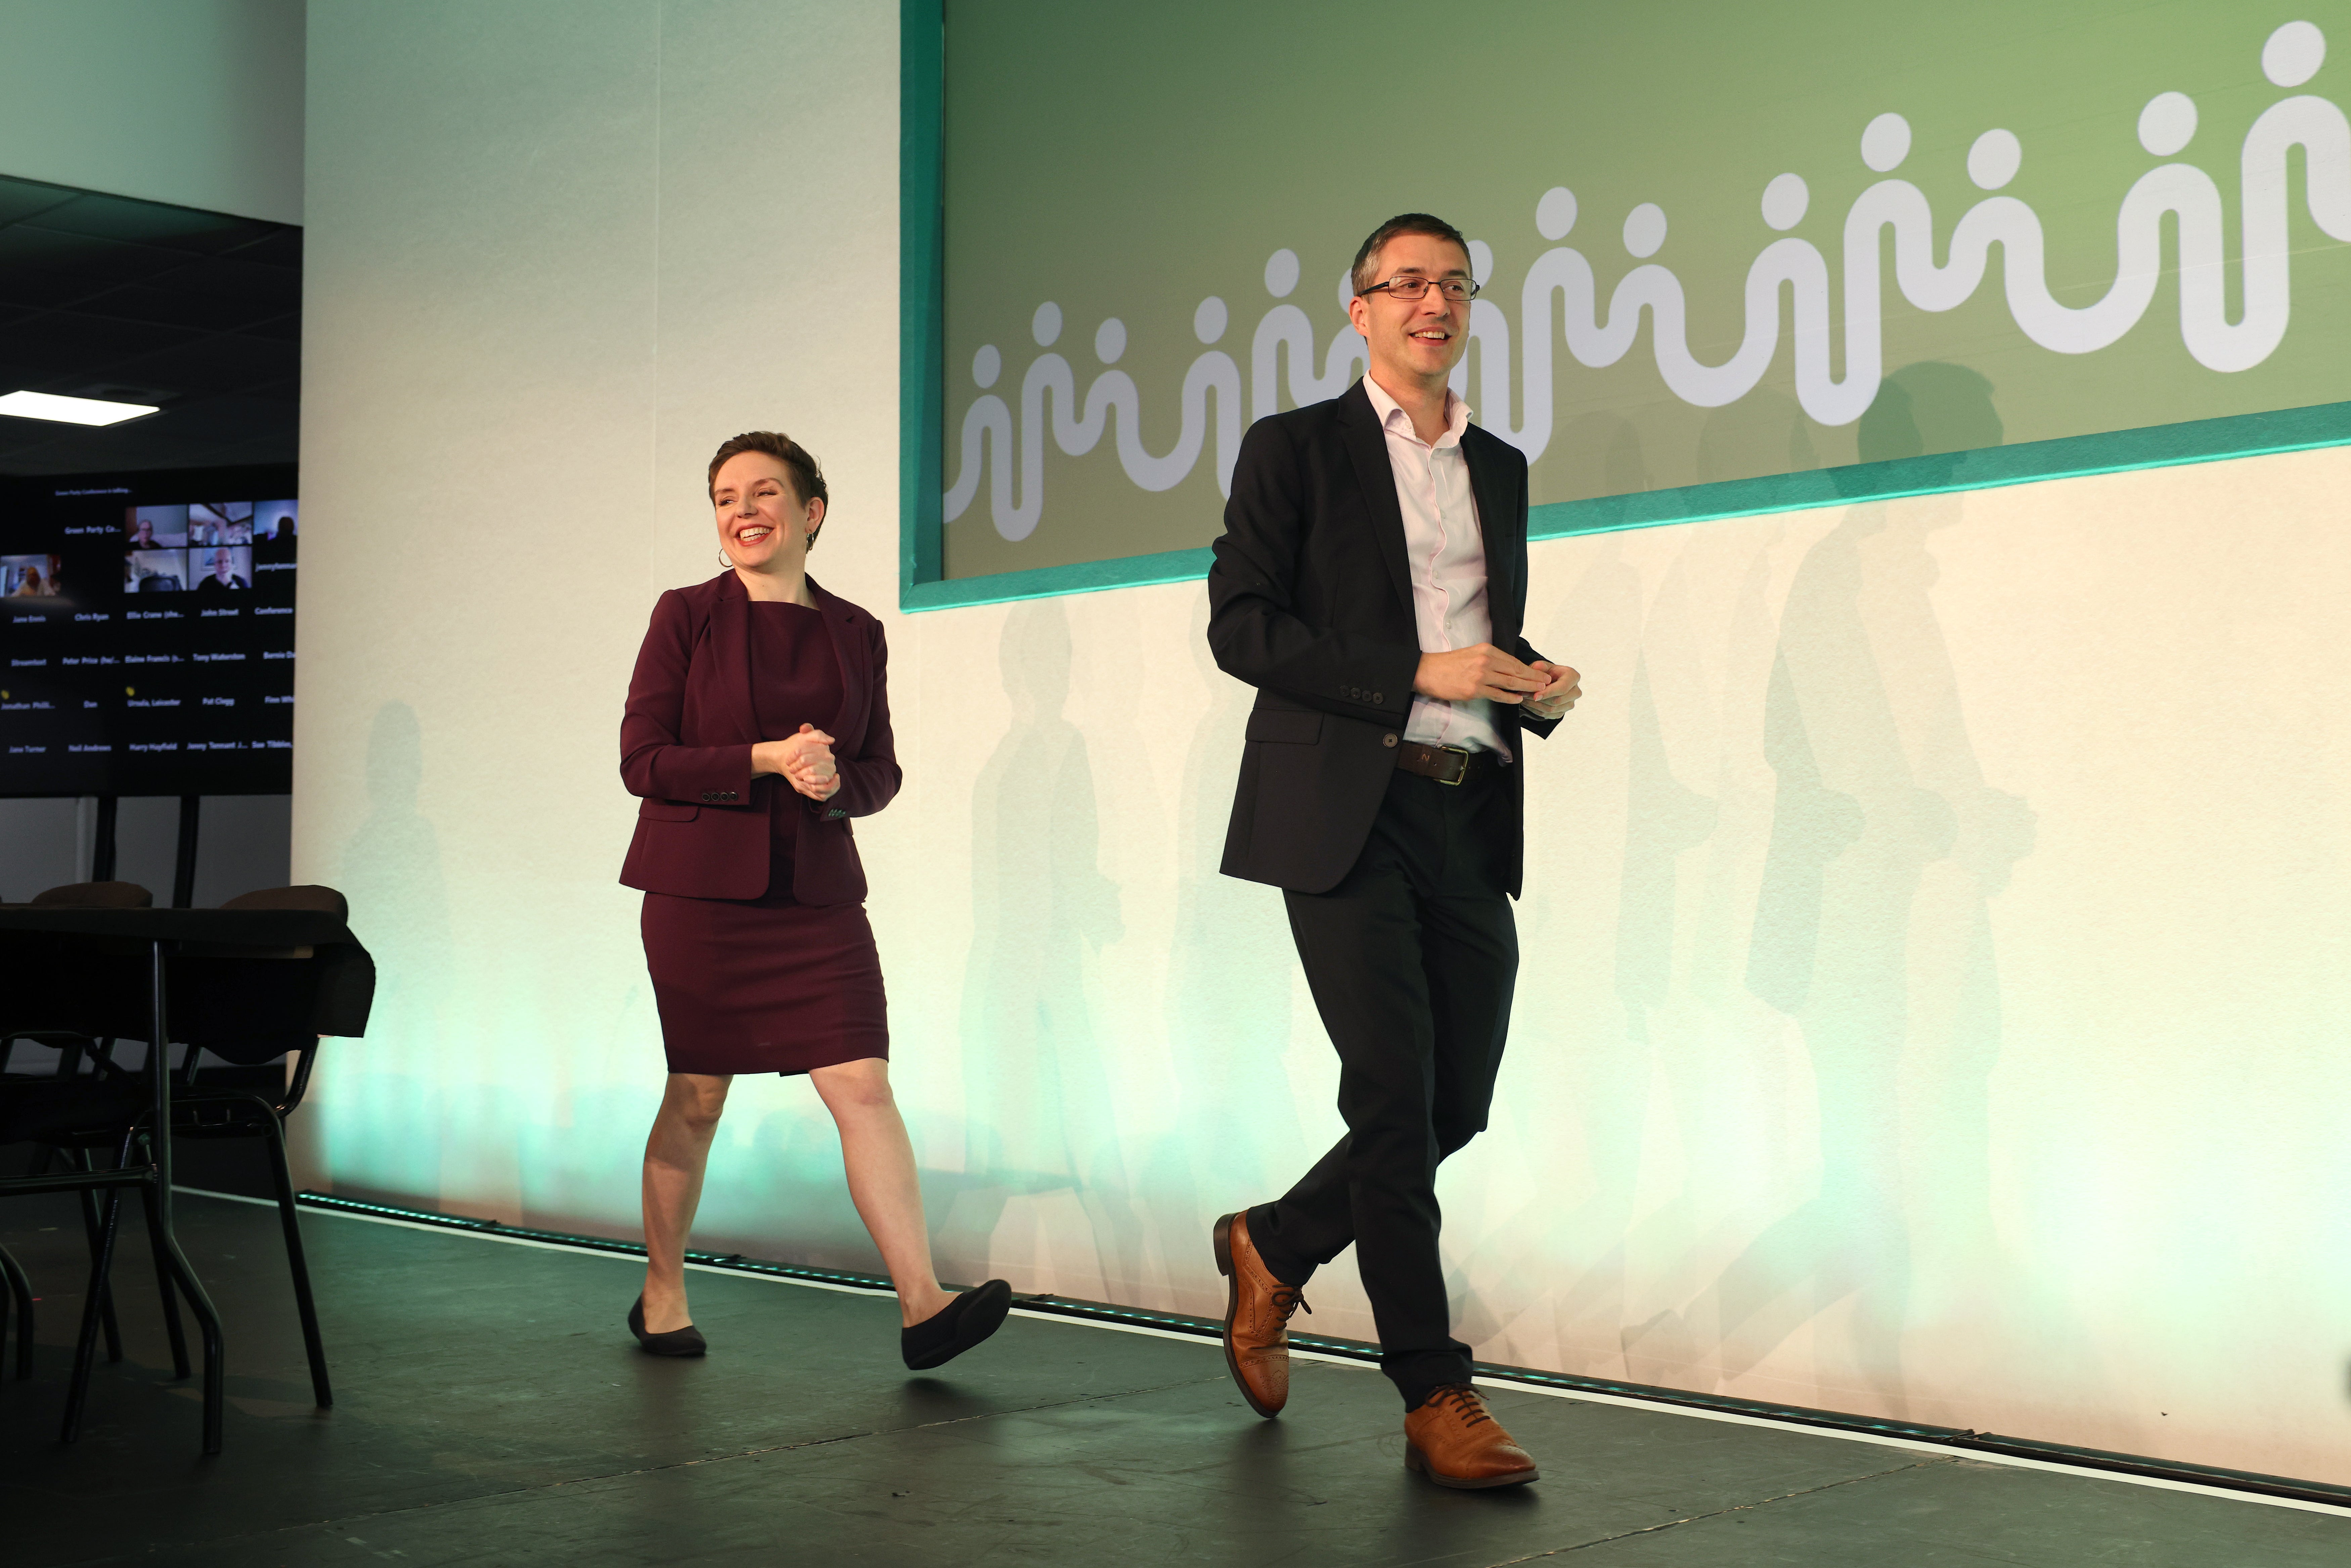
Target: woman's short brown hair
(807, 479)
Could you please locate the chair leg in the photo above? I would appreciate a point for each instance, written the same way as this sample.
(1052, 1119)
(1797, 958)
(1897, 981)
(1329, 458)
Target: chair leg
(86, 1347)
(20, 1290)
(164, 1285)
(311, 1342)
(208, 1325)
(80, 1159)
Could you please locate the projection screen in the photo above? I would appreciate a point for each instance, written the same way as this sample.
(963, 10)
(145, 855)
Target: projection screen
(1735, 258)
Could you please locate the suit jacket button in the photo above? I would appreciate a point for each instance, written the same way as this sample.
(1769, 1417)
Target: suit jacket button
(1388, 741)
(1379, 699)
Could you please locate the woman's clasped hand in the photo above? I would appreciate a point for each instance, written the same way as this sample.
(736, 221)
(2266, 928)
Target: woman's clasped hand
(805, 761)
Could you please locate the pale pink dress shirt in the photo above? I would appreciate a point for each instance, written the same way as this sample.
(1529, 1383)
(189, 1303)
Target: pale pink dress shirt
(1447, 555)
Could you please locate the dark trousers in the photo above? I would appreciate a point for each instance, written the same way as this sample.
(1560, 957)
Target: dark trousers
(1411, 959)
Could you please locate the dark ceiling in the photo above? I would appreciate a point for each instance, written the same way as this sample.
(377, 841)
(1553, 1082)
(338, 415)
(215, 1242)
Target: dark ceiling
(108, 298)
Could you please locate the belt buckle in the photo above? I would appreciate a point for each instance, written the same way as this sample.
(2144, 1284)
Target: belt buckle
(1459, 773)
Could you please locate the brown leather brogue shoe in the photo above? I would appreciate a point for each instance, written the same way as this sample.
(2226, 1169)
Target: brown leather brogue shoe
(1454, 1442)
(1258, 1310)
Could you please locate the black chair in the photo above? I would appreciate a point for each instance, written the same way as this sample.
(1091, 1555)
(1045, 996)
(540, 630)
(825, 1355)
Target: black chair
(95, 895)
(20, 1296)
(207, 1112)
(241, 1006)
(73, 1049)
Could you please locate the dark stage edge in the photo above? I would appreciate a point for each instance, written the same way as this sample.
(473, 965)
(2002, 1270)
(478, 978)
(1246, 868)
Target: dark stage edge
(492, 1409)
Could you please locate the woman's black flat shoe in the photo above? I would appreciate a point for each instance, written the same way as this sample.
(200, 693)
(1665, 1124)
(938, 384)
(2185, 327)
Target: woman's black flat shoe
(954, 1328)
(687, 1340)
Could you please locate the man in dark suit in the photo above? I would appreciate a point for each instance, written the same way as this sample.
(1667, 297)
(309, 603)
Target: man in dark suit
(1370, 584)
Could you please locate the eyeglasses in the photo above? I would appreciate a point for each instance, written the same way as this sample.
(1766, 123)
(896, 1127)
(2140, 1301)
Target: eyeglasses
(1456, 290)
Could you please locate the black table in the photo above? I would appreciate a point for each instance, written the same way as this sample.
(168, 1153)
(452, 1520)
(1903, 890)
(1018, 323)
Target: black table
(170, 975)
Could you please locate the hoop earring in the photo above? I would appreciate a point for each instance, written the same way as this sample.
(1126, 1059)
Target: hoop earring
(724, 562)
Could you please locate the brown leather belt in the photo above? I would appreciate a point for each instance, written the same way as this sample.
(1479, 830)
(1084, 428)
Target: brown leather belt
(1445, 764)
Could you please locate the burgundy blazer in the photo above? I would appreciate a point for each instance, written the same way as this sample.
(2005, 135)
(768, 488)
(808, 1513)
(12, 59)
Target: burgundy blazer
(686, 746)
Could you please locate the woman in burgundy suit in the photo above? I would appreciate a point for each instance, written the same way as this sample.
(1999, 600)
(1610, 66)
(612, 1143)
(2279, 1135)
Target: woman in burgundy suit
(757, 727)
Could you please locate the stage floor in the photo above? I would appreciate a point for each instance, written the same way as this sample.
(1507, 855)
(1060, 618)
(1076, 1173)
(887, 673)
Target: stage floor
(490, 1408)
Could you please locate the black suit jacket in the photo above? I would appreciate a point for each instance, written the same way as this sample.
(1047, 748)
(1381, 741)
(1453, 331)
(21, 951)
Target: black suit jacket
(1310, 601)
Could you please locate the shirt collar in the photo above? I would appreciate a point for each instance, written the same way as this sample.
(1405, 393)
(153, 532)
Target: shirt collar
(1392, 415)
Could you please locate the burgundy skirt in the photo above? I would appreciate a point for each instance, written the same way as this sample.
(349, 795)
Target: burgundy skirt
(764, 987)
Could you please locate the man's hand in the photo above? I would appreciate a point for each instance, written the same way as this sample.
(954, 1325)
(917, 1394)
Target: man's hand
(1560, 690)
(1484, 670)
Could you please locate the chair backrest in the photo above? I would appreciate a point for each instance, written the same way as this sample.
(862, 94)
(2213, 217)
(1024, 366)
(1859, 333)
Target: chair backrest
(95, 895)
(307, 895)
(266, 1046)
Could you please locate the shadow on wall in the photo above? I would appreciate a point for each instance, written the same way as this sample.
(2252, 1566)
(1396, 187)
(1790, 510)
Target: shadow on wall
(380, 1113)
(1763, 433)
(1871, 932)
(1040, 1121)
(1237, 1138)
(1605, 444)
(1555, 1258)
(1693, 861)
(1929, 407)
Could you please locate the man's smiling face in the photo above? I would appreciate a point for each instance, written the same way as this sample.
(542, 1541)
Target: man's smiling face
(1418, 341)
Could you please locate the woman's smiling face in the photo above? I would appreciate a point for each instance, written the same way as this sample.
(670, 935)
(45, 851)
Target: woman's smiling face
(758, 513)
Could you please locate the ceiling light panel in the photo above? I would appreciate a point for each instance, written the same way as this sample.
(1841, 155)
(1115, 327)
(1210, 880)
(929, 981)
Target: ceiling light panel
(71, 410)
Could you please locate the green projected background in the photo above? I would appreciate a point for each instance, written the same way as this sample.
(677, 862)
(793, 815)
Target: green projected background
(1718, 242)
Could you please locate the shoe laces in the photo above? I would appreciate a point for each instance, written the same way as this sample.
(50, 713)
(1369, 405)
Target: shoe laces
(1287, 1300)
(1463, 1399)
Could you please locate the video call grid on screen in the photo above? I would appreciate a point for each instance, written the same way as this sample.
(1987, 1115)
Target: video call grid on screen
(149, 636)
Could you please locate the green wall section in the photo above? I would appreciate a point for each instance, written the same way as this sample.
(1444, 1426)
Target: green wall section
(1101, 165)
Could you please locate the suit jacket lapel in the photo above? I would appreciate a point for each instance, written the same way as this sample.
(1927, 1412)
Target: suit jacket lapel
(1368, 446)
(849, 657)
(1496, 529)
(730, 660)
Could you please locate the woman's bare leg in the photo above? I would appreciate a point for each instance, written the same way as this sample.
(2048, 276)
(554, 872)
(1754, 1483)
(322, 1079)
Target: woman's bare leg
(676, 1152)
(879, 1159)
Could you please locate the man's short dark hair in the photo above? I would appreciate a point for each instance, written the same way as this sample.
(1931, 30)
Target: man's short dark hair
(1402, 224)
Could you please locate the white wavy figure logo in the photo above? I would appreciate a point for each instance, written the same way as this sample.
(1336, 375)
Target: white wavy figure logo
(1793, 266)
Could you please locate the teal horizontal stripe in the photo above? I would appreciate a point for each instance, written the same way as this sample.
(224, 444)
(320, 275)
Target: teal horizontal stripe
(1989, 468)
(1041, 582)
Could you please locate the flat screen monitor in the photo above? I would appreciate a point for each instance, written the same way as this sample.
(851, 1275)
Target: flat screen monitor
(149, 633)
